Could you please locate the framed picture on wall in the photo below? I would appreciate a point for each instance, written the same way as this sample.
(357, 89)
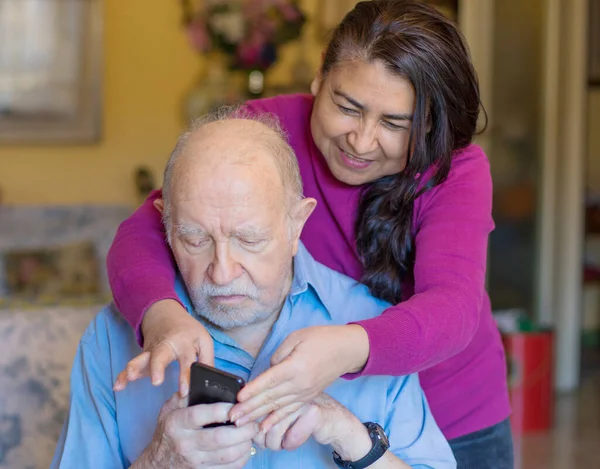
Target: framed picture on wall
(594, 43)
(50, 71)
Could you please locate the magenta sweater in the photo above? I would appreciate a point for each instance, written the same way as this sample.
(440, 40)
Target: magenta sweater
(443, 329)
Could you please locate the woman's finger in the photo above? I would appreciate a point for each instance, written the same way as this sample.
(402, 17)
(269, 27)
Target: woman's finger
(185, 363)
(206, 349)
(286, 348)
(162, 355)
(282, 406)
(270, 400)
(265, 384)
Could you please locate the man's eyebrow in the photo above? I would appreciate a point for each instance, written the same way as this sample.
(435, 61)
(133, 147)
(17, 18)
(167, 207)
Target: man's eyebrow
(183, 229)
(356, 104)
(250, 231)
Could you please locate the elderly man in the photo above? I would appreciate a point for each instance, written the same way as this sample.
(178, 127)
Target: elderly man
(233, 212)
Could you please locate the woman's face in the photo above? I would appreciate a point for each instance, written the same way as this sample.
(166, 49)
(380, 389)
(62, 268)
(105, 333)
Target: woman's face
(361, 120)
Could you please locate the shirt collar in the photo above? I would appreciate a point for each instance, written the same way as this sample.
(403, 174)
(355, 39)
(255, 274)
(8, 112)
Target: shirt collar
(308, 273)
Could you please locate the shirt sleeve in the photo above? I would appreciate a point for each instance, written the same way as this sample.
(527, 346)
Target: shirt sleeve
(453, 225)
(412, 431)
(140, 265)
(90, 436)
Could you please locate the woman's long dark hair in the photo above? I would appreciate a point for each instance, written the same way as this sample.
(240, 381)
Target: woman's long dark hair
(419, 44)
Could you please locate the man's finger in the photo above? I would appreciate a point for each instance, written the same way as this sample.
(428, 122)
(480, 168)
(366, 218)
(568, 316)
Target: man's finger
(277, 416)
(175, 402)
(229, 457)
(268, 380)
(274, 437)
(224, 437)
(197, 416)
(302, 429)
(162, 355)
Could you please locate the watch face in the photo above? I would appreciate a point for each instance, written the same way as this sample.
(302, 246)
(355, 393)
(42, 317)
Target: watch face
(376, 431)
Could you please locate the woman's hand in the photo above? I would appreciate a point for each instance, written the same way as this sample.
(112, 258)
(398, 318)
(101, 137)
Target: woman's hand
(305, 363)
(170, 333)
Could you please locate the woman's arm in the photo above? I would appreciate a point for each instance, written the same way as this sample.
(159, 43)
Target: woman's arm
(141, 268)
(454, 221)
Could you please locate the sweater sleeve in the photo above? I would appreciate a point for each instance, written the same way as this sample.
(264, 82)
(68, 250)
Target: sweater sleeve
(453, 222)
(140, 266)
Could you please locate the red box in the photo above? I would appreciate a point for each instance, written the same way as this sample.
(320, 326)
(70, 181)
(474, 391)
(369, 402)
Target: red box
(530, 360)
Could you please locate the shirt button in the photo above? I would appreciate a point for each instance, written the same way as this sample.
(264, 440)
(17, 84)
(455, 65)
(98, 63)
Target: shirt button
(252, 451)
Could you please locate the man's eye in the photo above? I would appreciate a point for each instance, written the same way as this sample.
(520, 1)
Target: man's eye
(196, 243)
(252, 243)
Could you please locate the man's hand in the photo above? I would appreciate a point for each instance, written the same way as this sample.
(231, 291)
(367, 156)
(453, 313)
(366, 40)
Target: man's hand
(305, 363)
(180, 442)
(329, 423)
(170, 333)
(325, 420)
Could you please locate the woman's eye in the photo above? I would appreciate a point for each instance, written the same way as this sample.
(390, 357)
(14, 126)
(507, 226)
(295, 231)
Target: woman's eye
(391, 126)
(347, 110)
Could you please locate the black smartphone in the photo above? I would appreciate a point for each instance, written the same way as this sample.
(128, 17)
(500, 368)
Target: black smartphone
(209, 386)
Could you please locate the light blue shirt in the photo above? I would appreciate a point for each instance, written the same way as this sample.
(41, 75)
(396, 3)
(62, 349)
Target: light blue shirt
(105, 429)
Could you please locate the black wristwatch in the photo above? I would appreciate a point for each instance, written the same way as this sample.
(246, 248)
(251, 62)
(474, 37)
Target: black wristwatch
(380, 446)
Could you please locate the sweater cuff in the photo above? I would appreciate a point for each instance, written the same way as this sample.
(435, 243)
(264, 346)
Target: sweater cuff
(395, 342)
(137, 302)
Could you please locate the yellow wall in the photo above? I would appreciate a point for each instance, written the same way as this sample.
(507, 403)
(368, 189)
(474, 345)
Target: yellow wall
(148, 67)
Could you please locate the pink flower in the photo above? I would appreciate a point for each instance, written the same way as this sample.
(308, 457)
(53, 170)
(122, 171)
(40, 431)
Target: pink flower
(198, 36)
(290, 13)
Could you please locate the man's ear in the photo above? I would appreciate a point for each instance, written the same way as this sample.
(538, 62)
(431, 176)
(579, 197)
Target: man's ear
(159, 204)
(299, 214)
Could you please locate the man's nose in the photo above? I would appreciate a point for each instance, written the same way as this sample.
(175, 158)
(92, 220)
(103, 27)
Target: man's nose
(363, 139)
(224, 268)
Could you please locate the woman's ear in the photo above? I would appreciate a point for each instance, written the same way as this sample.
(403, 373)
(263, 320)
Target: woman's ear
(315, 85)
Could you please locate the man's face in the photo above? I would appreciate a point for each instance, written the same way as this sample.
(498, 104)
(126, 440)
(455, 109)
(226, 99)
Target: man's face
(230, 233)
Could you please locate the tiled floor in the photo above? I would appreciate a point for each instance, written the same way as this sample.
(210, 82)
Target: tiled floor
(574, 442)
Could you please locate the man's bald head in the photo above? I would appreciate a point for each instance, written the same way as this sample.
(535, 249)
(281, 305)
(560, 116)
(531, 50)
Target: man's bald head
(233, 209)
(231, 137)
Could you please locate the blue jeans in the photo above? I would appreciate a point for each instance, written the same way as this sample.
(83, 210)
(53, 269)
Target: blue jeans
(490, 448)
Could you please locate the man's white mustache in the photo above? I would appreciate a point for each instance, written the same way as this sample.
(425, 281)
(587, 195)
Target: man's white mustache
(209, 290)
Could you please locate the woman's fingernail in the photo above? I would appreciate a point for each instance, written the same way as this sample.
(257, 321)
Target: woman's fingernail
(241, 421)
(155, 380)
(184, 390)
